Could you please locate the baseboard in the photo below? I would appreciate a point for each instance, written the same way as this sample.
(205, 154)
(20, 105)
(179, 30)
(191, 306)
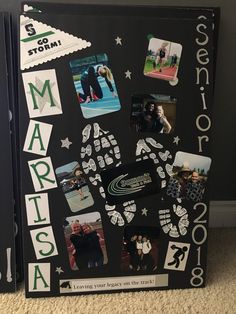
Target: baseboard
(222, 214)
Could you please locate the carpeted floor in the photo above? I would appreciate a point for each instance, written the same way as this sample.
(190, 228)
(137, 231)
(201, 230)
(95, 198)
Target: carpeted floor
(218, 297)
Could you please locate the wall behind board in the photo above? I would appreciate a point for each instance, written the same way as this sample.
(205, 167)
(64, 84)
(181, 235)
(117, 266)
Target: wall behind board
(223, 170)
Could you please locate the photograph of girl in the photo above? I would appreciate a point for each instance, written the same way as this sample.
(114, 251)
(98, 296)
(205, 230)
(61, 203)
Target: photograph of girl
(162, 59)
(74, 186)
(95, 86)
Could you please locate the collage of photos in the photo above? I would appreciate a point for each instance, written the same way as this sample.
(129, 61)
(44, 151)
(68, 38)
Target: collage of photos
(153, 113)
(74, 186)
(85, 241)
(140, 249)
(162, 59)
(95, 86)
(190, 174)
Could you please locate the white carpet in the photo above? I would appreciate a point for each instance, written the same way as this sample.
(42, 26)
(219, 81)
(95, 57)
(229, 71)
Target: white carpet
(218, 297)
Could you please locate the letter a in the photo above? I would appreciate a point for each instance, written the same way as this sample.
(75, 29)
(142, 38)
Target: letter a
(37, 138)
(39, 277)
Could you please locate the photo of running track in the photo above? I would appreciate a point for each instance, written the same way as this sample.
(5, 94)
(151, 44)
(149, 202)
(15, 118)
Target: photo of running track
(167, 73)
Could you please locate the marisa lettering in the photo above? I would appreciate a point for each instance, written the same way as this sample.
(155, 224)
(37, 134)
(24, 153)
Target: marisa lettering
(42, 174)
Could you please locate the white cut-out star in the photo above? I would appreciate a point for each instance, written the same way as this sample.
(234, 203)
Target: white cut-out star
(59, 270)
(128, 74)
(118, 40)
(66, 143)
(176, 140)
(144, 212)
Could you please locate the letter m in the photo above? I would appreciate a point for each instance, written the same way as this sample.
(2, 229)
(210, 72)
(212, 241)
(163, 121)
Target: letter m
(45, 93)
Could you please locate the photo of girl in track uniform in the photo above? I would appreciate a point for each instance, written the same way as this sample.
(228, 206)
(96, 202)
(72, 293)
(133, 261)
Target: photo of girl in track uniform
(78, 183)
(161, 56)
(95, 85)
(162, 59)
(90, 85)
(74, 186)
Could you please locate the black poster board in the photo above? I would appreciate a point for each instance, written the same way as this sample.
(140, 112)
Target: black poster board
(115, 127)
(12, 70)
(8, 230)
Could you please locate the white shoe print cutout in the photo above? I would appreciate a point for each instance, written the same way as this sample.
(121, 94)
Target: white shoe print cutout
(166, 222)
(149, 148)
(105, 153)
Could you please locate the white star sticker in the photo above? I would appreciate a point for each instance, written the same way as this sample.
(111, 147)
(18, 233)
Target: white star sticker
(144, 212)
(118, 40)
(59, 270)
(65, 143)
(128, 74)
(176, 140)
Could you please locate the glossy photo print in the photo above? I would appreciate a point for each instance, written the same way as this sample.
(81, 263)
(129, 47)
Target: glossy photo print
(95, 86)
(153, 113)
(140, 248)
(85, 241)
(74, 186)
(162, 59)
(190, 173)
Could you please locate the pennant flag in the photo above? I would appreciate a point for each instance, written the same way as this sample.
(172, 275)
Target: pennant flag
(40, 43)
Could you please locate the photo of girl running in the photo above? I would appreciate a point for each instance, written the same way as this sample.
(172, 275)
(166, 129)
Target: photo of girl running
(162, 59)
(161, 56)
